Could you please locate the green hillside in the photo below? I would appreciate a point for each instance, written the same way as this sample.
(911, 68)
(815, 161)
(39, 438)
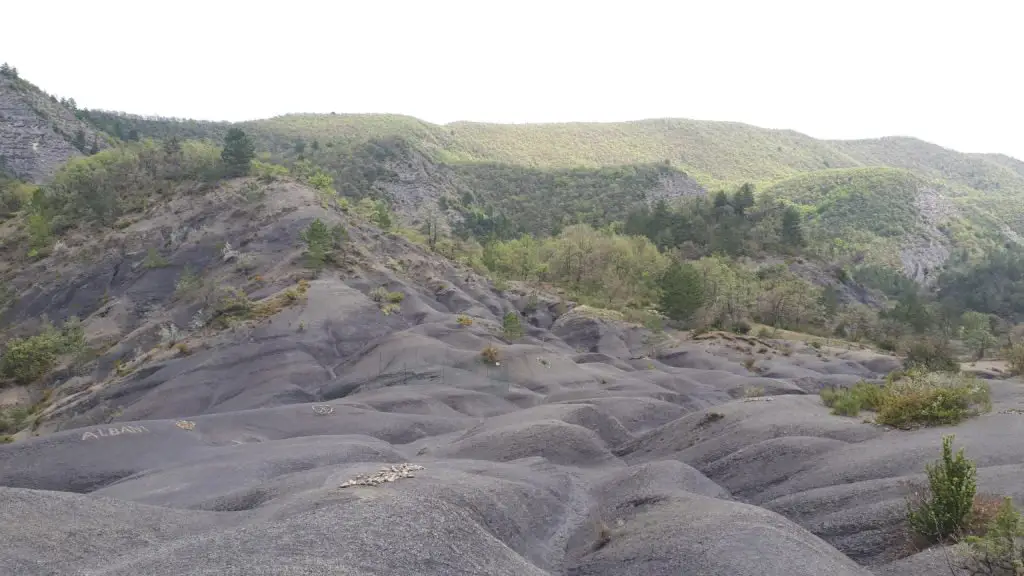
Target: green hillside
(872, 211)
(981, 172)
(713, 152)
(505, 166)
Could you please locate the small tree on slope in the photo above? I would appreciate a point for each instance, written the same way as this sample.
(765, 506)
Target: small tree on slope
(238, 152)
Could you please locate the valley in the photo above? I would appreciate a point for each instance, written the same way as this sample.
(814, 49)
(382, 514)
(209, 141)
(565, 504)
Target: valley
(368, 344)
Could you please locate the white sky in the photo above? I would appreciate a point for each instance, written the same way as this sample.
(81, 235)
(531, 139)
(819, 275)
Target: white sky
(947, 72)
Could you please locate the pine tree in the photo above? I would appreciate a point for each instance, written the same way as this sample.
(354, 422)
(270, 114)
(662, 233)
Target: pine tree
(95, 148)
(133, 135)
(682, 291)
(743, 199)
(238, 152)
(315, 145)
(792, 228)
(5, 69)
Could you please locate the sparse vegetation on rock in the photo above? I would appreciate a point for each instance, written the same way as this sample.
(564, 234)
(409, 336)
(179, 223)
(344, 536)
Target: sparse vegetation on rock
(942, 509)
(490, 354)
(511, 326)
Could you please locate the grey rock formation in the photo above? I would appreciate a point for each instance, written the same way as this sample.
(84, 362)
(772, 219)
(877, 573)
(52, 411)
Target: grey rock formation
(36, 133)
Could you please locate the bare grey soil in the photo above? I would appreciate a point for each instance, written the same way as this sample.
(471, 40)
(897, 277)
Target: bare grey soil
(591, 448)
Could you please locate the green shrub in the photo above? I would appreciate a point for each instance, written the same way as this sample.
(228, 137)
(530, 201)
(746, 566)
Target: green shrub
(871, 396)
(464, 320)
(389, 309)
(187, 283)
(943, 508)
(12, 419)
(850, 401)
(511, 326)
(6, 439)
(268, 173)
(395, 297)
(846, 405)
(932, 399)
(934, 355)
(379, 294)
(154, 260)
(232, 304)
(999, 551)
(27, 359)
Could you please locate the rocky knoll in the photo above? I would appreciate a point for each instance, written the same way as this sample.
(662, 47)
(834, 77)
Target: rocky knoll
(37, 133)
(335, 434)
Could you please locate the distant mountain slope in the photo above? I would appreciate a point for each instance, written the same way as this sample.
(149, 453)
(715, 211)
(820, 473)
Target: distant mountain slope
(977, 171)
(899, 200)
(713, 152)
(38, 133)
(877, 215)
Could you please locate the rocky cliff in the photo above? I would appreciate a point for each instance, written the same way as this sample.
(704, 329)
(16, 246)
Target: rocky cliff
(37, 133)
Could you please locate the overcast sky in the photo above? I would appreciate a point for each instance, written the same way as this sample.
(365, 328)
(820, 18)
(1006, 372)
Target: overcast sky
(947, 72)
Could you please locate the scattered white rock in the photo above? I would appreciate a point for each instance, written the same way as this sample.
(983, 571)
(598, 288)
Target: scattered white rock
(386, 474)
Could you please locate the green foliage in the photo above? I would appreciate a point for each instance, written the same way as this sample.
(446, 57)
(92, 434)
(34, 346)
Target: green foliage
(25, 360)
(931, 354)
(912, 398)
(379, 294)
(381, 215)
(154, 260)
(508, 200)
(850, 401)
(40, 236)
(511, 326)
(992, 284)
(231, 304)
(682, 291)
(188, 283)
(322, 242)
(977, 333)
(601, 267)
(999, 551)
(238, 152)
(944, 509)
(463, 320)
(846, 405)
(932, 399)
(14, 194)
(324, 185)
(12, 418)
(268, 173)
(704, 226)
(792, 228)
(119, 180)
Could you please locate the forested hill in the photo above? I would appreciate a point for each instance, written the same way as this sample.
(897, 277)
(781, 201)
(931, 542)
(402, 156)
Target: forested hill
(871, 207)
